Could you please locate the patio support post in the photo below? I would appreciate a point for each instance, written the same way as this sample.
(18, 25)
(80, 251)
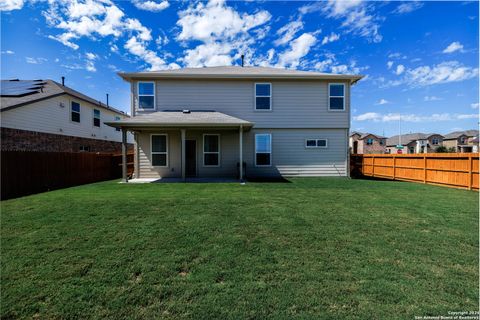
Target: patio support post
(183, 153)
(240, 140)
(124, 155)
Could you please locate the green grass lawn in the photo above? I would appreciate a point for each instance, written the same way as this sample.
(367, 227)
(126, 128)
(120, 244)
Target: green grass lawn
(311, 248)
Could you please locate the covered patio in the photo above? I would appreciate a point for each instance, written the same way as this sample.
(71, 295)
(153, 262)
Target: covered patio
(182, 122)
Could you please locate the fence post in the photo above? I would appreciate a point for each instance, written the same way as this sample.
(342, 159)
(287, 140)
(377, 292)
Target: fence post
(373, 165)
(424, 168)
(394, 158)
(470, 172)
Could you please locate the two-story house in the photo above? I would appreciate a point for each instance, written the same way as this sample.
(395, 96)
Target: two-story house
(205, 122)
(462, 141)
(415, 143)
(44, 115)
(366, 143)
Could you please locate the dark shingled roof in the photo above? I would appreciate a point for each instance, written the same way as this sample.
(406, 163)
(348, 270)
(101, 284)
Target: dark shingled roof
(49, 90)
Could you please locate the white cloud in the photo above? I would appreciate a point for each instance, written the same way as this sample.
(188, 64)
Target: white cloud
(209, 55)
(354, 15)
(431, 98)
(138, 48)
(64, 38)
(215, 20)
(8, 52)
(224, 33)
(90, 64)
(445, 72)
(382, 101)
(151, 5)
(102, 18)
(331, 64)
(31, 60)
(287, 32)
(474, 105)
(454, 46)
(378, 117)
(297, 50)
(407, 7)
(396, 55)
(400, 69)
(162, 40)
(389, 64)
(91, 56)
(9, 5)
(331, 38)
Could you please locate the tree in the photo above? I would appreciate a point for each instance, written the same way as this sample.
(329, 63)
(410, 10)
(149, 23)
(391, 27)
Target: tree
(441, 149)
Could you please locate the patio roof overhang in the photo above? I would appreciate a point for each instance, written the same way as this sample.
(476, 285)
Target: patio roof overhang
(182, 119)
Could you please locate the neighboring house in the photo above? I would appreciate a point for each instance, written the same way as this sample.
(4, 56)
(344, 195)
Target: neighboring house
(204, 122)
(366, 143)
(415, 143)
(43, 115)
(462, 141)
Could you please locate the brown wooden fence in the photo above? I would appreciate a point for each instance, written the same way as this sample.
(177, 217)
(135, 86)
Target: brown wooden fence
(28, 172)
(459, 170)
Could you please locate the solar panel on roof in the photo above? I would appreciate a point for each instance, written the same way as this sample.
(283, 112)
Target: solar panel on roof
(16, 88)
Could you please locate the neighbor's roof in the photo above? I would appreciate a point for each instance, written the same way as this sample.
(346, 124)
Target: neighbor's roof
(363, 135)
(179, 118)
(236, 72)
(457, 134)
(407, 138)
(47, 89)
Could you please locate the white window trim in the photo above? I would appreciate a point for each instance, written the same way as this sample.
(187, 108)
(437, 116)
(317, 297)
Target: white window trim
(255, 151)
(210, 152)
(156, 152)
(79, 112)
(329, 96)
(270, 96)
(99, 118)
(316, 143)
(146, 95)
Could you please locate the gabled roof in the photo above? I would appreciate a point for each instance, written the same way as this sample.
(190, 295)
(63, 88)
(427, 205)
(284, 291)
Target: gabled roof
(48, 89)
(363, 135)
(457, 134)
(407, 138)
(236, 72)
(181, 118)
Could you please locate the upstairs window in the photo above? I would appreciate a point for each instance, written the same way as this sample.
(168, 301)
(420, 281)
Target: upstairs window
(263, 96)
(96, 118)
(463, 140)
(263, 149)
(211, 150)
(435, 141)
(336, 96)
(117, 118)
(159, 150)
(75, 112)
(369, 141)
(146, 95)
(316, 143)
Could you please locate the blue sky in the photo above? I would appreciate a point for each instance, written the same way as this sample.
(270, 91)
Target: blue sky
(420, 59)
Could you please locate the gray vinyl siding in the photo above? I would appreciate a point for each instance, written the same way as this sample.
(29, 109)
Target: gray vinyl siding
(53, 115)
(295, 104)
(289, 155)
